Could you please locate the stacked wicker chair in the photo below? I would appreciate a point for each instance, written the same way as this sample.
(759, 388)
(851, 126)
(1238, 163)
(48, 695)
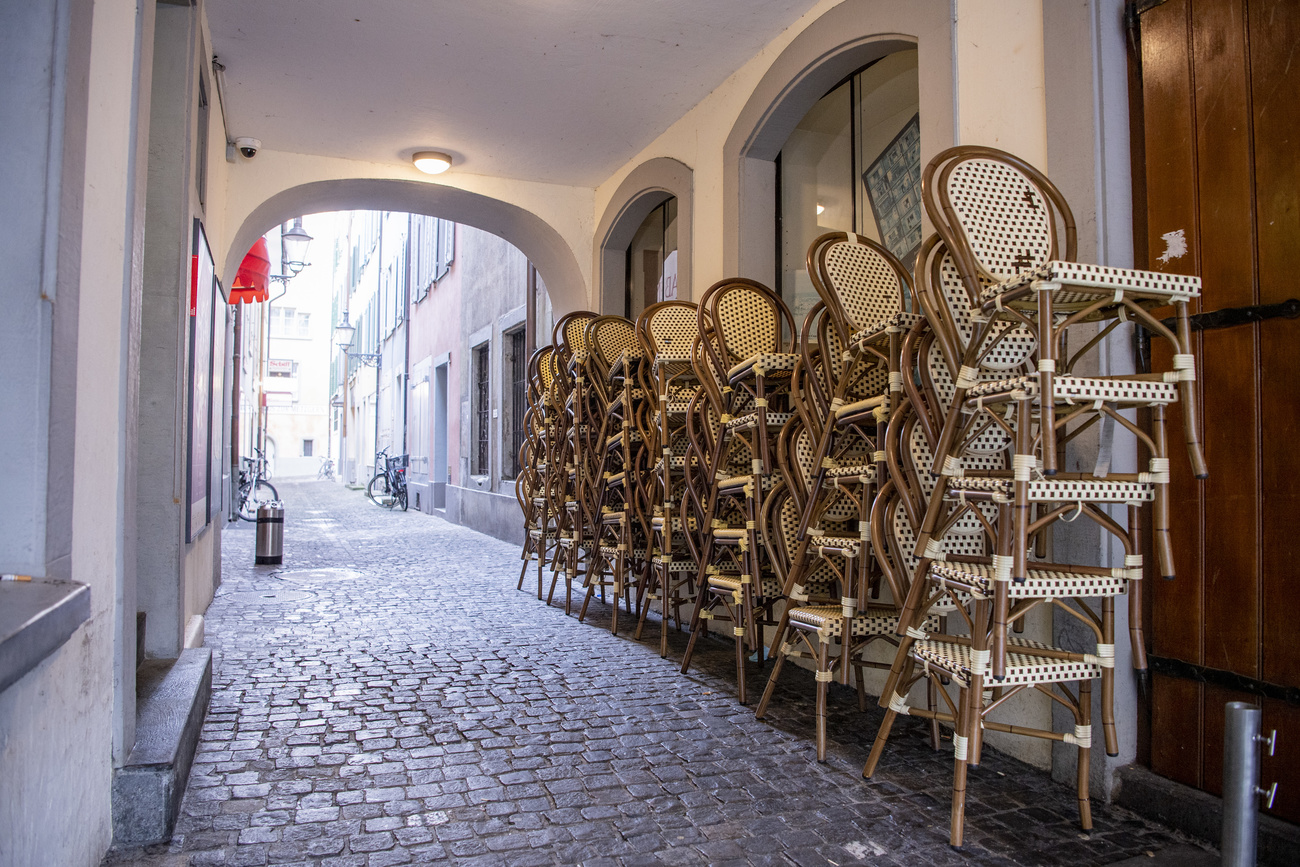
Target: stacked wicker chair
(889, 474)
(1000, 294)
(619, 524)
(536, 485)
(744, 365)
(667, 331)
(575, 456)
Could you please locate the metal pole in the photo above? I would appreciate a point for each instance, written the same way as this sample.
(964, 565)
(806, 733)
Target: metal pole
(1241, 739)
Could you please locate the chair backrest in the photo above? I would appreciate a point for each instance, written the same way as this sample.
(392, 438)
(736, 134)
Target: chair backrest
(861, 282)
(997, 214)
(609, 337)
(747, 319)
(668, 326)
(570, 336)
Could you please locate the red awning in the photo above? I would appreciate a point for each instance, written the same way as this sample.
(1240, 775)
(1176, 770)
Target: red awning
(251, 281)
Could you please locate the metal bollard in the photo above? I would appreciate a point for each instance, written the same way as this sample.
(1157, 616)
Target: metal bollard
(1241, 738)
(270, 534)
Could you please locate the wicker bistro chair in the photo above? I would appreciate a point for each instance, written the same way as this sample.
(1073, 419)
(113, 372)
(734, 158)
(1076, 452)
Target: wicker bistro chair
(536, 486)
(963, 561)
(620, 528)
(998, 217)
(577, 537)
(823, 609)
(667, 331)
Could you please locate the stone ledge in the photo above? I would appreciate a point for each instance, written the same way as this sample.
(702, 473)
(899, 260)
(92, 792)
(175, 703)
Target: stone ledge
(171, 701)
(36, 617)
(1200, 814)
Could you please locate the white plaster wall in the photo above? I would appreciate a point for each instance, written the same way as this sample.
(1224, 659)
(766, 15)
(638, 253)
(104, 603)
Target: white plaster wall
(57, 723)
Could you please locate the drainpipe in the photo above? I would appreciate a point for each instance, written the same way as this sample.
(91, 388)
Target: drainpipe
(530, 313)
(406, 328)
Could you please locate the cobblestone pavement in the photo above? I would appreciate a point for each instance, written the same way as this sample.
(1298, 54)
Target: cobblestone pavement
(421, 710)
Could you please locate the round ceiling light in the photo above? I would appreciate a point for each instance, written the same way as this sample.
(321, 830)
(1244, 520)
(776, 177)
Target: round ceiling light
(431, 162)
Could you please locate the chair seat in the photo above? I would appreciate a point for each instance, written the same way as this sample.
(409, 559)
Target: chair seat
(1082, 284)
(657, 523)
(901, 321)
(672, 565)
(1042, 582)
(864, 473)
(749, 421)
(771, 362)
(828, 620)
(1023, 665)
(1058, 491)
(1078, 389)
(767, 586)
(858, 407)
(836, 546)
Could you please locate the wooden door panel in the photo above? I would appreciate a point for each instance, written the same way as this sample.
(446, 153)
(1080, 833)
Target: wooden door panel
(1221, 134)
(1275, 82)
(1170, 148)
(1176, 729)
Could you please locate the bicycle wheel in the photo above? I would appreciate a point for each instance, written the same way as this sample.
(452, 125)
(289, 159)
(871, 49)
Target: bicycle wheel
(253, 497)
(379, 491)
(401, 497)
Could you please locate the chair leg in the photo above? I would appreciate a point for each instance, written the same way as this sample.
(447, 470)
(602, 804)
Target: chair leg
(967, 719)
(932, 702)
(824, 675)
(779, 656)
(1085, 756)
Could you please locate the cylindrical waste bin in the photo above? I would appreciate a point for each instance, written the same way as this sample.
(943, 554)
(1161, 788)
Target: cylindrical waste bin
(270, 534)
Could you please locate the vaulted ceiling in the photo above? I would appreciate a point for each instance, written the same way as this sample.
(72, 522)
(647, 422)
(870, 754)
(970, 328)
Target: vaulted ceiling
(561, 91)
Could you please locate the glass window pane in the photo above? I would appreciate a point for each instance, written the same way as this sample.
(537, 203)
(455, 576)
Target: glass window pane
(888, 158)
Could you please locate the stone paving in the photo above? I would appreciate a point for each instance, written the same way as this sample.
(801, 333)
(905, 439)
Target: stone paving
(387, 697)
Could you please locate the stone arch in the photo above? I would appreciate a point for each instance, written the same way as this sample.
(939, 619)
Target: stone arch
(536, 239)
(644, 189)
(845, 39)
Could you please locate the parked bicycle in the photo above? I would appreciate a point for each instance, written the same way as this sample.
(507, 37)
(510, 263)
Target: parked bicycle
(326, 470)
(254, 490)
(388, 487)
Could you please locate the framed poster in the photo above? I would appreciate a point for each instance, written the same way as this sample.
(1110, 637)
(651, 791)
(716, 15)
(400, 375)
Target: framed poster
(202, 280)
(893, 185)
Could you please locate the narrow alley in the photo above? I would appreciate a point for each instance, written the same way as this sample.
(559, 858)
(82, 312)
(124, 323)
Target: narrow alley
(388, 697)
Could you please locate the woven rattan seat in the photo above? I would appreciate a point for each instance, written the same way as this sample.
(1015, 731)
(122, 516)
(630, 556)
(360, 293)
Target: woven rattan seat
(1078, 389)
(1023, 665)
(1059, 490)
(1039, 584)
(901, 321)
(1080, 284)
(749, 421)
(768, 586)
(770, 362)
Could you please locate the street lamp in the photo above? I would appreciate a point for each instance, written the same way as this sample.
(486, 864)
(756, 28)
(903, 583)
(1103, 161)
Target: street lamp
(294, 244)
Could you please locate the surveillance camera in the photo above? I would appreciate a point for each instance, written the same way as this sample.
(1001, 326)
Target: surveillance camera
(248, 147)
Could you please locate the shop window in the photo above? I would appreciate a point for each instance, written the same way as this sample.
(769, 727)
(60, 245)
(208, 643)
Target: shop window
(852, 165)
(652, 260)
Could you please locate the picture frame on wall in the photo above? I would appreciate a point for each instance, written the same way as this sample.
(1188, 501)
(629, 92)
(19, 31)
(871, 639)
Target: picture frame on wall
(893, 184)
(198, 465)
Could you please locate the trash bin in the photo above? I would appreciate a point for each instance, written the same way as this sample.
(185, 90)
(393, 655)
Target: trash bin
(270, 534)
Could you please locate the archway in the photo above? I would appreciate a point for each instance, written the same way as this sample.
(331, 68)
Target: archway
(534, 237)
(644, 189)
(814, 62)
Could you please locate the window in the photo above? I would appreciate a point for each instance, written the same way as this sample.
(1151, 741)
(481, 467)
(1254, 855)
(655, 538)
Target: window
(307, 446)
(518, 397)
(304, 325)
(851, 165)
(433, 247)
(652, 260)
(481, 419)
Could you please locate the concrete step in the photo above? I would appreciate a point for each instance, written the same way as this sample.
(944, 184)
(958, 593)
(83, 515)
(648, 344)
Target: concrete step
(171, 701)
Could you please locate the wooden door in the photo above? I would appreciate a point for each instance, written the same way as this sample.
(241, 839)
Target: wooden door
(1216, 103)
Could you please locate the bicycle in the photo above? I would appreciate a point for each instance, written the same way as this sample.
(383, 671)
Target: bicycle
(326, 470)
(254, 490)
(388, 487)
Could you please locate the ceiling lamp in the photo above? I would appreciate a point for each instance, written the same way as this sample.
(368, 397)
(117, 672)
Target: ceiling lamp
(431, 162)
